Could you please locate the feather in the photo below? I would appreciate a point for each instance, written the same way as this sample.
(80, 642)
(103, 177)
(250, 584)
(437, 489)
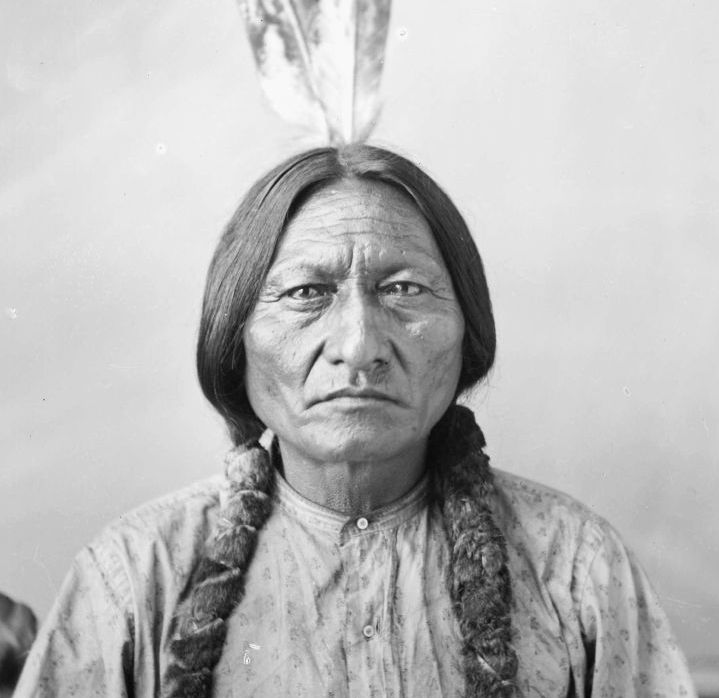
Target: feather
(320, 61)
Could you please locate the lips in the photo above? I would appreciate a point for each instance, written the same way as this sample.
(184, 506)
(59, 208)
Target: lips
(358, 394)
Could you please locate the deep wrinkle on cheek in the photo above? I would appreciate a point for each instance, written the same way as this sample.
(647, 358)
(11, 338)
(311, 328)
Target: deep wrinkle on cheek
(271, 371)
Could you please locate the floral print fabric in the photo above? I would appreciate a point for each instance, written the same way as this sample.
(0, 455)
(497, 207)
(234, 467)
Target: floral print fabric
(338, 606)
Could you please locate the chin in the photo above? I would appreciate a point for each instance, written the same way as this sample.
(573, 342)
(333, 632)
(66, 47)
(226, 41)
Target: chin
(360, 443)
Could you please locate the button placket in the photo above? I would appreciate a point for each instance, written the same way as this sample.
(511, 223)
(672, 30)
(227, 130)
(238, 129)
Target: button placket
(364, 556)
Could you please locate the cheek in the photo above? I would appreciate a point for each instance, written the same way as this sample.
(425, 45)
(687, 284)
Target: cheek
(269, 364)
(447, 357)
(438, 357)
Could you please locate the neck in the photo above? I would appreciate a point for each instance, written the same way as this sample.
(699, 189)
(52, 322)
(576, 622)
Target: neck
(353, 487)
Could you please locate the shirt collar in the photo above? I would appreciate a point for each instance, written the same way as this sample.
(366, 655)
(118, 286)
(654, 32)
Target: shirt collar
(315, 516)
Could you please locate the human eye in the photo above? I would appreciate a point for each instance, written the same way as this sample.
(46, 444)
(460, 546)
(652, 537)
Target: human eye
(402, 289)
(308, 292)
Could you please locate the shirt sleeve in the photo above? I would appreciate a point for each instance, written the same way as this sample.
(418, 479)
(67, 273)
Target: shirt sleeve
(630, 648)
(85, 646)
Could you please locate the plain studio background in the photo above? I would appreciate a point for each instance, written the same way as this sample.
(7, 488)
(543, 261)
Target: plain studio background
(581, 141)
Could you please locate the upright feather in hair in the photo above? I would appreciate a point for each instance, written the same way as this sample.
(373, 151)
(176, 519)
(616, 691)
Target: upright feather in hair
(320, 61)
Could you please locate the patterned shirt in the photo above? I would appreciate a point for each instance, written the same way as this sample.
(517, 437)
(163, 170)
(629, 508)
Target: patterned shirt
(338, 606)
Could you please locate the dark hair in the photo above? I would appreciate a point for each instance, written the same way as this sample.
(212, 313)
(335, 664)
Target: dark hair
(247, 247)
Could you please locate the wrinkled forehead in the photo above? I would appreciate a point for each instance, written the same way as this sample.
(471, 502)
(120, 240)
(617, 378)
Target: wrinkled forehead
(363, 213)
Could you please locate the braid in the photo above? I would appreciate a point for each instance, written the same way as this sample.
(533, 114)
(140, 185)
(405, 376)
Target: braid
(479, 583)
(478, 579)
(217, 584)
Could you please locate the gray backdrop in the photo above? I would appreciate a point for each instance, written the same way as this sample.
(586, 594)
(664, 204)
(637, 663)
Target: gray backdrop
(580, 140)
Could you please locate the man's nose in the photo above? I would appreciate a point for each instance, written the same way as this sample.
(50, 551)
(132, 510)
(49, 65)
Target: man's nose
(357, 333)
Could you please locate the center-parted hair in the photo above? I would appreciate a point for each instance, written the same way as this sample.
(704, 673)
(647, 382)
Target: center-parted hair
(247, 248)
(461, 483)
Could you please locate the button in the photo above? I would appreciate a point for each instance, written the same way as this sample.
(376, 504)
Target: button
(368, 630)
(362, 523)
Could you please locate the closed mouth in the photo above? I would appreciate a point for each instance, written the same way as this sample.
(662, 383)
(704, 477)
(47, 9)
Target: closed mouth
(358, 394)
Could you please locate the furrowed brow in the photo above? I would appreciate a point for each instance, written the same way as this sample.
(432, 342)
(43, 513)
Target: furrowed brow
(296, 268)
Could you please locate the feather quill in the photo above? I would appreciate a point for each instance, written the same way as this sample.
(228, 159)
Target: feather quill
(320, 62)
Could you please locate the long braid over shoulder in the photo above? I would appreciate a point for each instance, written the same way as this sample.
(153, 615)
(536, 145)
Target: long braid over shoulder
(217, 585)
(478, 581)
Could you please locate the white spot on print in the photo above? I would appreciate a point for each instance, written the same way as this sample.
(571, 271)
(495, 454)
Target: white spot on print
(247, 657)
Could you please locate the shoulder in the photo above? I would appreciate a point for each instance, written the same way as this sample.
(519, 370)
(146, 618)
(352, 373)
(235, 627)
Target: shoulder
(169, 516)
(157, 543)
(529, 502)
(556, 533)
(114, 611)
